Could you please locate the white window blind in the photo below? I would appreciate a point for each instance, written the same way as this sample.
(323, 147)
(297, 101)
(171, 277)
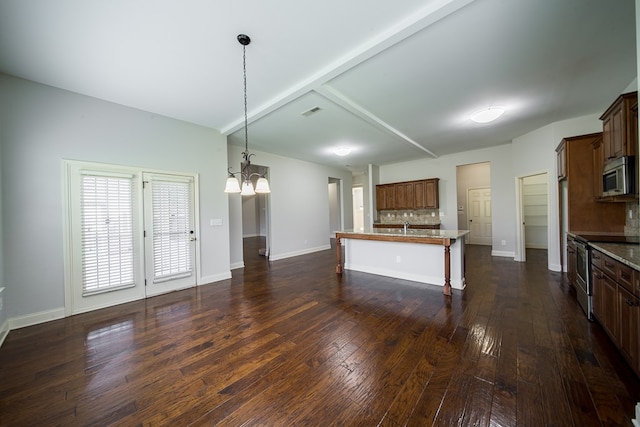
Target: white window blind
(172, 229)
(106, 202)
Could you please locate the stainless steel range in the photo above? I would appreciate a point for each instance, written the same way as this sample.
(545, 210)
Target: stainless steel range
(584, 291)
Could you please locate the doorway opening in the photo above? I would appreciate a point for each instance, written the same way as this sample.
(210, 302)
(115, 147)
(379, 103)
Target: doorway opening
(255, 216)
(532, 232)
(473, 183)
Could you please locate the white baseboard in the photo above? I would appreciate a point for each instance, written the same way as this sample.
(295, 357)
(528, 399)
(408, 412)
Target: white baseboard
(419, 279)
(237, 265)
(536, 246)
(503, 254)
(214, 278)
(555, 267)
(36, 318)
(276, 257)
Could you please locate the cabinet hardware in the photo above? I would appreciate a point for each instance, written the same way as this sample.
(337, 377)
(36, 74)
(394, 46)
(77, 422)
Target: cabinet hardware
(629, 302)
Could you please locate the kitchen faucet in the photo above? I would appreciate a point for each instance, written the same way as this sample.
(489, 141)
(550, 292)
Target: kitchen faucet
(406, 226)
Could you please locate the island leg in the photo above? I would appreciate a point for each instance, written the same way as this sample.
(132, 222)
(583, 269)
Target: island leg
(339, 254)
(447, 270)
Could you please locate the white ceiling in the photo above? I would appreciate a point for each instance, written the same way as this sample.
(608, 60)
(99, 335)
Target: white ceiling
(394, 80)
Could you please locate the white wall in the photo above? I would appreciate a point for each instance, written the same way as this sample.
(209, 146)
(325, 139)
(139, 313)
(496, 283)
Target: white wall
(502, 185)
(299, 205)
(41, 126)
(534, 153)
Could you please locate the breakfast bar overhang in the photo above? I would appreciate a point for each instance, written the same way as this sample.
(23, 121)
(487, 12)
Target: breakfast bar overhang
(428, 256)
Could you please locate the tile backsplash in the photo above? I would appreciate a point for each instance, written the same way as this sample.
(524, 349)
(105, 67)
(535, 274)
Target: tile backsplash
(632, 225)
(416, 216)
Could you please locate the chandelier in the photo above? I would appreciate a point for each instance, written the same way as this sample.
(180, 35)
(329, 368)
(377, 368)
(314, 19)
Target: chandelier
(233, 185)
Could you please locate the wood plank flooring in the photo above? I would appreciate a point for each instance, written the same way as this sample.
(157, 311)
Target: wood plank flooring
(291, 343)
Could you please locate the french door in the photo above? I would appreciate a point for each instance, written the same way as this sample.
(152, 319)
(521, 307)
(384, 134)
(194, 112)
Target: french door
(169, 232)
(129, 234)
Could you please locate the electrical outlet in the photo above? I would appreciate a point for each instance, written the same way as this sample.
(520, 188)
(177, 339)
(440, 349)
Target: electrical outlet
(398, 259)
(630, 213)
(503, 242)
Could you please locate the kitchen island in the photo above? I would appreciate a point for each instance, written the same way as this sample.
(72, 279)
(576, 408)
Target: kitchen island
(428, 256)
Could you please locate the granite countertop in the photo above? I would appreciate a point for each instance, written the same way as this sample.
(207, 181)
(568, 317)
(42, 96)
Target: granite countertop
(626, 253)
(412, 232)
(410, 222)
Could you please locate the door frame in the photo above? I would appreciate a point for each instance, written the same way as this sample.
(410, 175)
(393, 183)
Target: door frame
(521, 250)
(68, 168)
(167, 286)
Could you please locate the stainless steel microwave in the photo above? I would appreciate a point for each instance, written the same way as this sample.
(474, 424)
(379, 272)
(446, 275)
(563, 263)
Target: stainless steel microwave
(618, 177)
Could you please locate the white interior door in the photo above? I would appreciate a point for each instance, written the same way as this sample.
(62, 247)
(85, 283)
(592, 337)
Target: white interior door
(169, 229)
(480, 232)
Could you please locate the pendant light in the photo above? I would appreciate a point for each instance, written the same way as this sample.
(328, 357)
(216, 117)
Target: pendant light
(233, 185)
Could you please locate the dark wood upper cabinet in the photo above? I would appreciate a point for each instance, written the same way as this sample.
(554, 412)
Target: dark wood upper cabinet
(620, 127)
(584, 212)
(598, 164)
(419, 194)
(562, 161)
(404, 195)
(385, 197)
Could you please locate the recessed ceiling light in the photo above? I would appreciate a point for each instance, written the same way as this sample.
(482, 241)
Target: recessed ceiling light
(487, 115)
(342, 150)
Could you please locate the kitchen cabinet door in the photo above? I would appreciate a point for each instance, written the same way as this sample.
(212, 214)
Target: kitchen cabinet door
(605, 302)
(385, 197)
(628, 316)
(404, 195)
(619, 129)
(562, 161)
(598, 167)
(432, 195)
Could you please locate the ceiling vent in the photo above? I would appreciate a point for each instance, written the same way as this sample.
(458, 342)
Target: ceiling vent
(311, 111)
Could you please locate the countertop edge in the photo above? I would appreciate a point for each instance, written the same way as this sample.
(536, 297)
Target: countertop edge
(608, 249)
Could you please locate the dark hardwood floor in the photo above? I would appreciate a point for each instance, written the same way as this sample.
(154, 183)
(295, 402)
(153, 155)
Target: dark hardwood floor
(291, 343)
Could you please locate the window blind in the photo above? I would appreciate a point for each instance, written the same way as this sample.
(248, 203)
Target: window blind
(172, 229)
(106, 202)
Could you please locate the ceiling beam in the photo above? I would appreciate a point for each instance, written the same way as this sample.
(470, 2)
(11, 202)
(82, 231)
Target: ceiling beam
(435, 11)
(356, 109)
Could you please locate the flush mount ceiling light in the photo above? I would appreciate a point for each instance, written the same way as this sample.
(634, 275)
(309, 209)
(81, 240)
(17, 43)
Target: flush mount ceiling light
(487, 115)
(342, 151)
(233, 185)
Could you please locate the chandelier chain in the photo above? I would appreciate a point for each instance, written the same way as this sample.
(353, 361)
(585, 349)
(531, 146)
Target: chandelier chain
(246, 122)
